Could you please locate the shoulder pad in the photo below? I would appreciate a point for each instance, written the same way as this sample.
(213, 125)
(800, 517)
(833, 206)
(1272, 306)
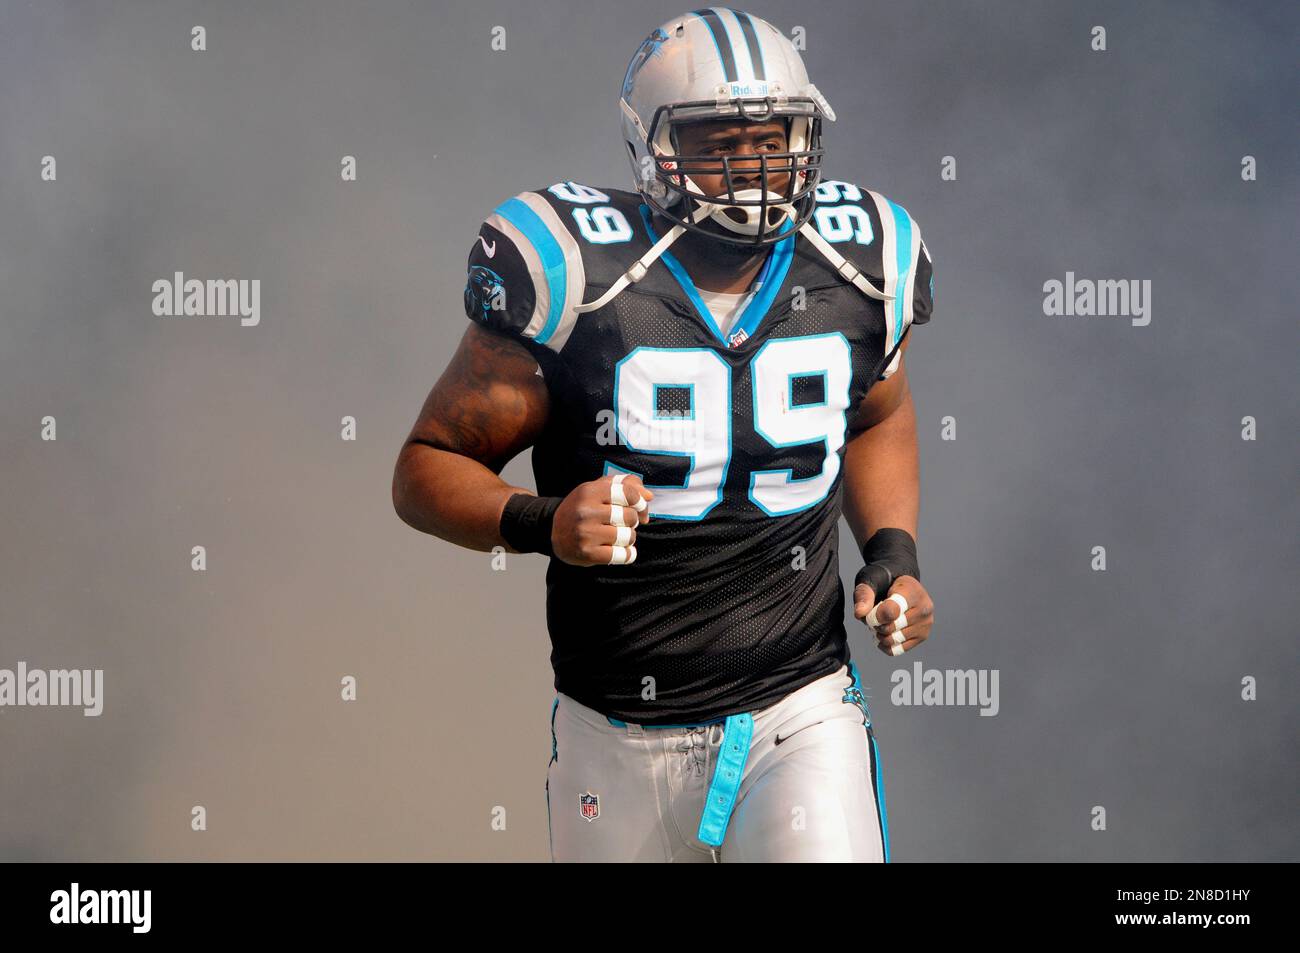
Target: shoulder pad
(881, 239)
(558, 242)
(525, 272)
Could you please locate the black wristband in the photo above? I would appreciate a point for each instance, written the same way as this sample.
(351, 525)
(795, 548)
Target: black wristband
(888, 554)
(526, 522)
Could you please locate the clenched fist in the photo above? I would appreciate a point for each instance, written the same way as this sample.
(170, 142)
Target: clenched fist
(596, 524)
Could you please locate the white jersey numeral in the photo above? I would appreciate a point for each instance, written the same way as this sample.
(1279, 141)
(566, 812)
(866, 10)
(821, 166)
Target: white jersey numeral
(832, 190)
(839, 223)
(783, 424)
(703, 434)
(575, 192)
(604, 225)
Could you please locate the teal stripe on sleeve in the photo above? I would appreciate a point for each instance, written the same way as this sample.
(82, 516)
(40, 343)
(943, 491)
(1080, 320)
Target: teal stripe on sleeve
(903, 253)
(555, 270)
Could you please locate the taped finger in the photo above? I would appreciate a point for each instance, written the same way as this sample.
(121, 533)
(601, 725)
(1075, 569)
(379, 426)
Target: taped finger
(622, 555)
(618, 494)
(873, 620)
(890, 647)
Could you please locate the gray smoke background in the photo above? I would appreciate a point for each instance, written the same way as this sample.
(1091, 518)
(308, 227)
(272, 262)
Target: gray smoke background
(1120, 689)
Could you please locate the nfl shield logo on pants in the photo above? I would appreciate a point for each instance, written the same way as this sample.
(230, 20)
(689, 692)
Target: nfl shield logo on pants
(590, 805)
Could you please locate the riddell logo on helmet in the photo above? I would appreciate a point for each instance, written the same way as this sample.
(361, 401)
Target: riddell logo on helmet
(749, 89)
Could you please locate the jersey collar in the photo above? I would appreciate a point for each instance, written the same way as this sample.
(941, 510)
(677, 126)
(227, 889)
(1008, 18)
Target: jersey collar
(762, 292)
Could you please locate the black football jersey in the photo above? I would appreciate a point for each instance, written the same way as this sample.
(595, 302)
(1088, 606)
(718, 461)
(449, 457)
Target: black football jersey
(734, 599)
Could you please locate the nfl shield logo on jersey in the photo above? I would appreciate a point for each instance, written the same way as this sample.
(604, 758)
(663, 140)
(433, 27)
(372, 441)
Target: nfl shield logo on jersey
(590, 805)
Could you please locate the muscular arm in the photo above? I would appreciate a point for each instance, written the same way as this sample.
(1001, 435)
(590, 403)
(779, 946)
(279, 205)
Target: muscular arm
(882, 474)
(487, 407)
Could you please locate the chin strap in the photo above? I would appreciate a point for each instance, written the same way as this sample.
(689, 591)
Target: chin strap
(845, 269)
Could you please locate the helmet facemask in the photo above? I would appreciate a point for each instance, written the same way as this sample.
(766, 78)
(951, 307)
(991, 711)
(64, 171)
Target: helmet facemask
(751, 211)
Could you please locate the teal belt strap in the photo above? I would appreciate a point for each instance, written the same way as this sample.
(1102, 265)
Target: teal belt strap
(737, 733)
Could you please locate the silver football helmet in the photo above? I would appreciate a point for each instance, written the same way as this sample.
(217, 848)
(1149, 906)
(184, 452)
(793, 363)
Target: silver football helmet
(719, 63)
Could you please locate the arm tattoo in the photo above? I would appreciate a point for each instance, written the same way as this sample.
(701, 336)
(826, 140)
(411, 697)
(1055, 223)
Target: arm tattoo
(489, 404)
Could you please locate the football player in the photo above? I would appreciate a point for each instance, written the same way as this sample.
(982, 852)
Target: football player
(708, 369)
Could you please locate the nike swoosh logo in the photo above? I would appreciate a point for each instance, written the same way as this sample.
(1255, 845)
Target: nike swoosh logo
(779, 739)
(490, 249)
